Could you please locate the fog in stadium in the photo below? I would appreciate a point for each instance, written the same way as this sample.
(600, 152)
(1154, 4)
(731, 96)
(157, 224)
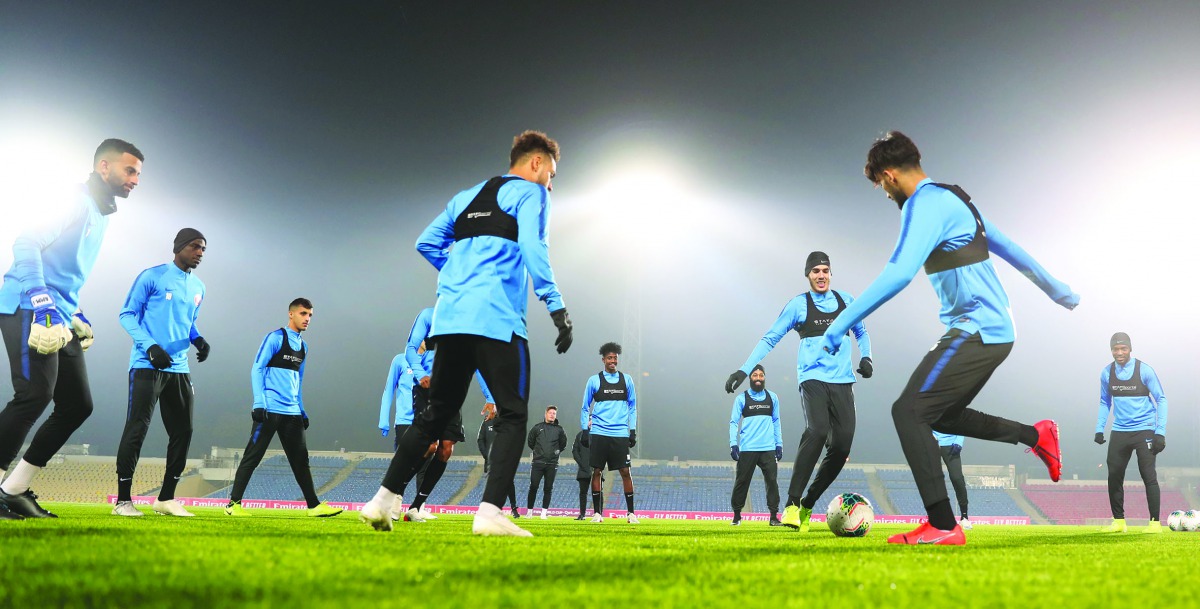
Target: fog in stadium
(707, 149)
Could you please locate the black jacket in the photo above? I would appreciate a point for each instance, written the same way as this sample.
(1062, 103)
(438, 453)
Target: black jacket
(547, 440)
(582, 458)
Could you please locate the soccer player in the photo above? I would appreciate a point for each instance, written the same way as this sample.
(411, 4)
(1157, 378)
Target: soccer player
(485, 439)
(277, 378)
(160, 315)
(547, 440)
(583, 471)
(45, 331)
(942, 230)
(1130, 389)
(487, 245)
(826, 385)
(756, 439)
(951, 448)
(609, 415)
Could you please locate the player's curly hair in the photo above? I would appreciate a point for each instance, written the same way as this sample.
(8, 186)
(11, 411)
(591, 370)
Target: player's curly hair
(530, 142)
(892, 151)
(607, 348)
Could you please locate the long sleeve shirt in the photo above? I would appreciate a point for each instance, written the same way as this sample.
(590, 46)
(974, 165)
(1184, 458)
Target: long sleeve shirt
(60, 253)
(482, 281)
(397, 390)
(812, 362)
(161, 309)
(755, 433)
(278, 389)
(972, 298)
(420, 363)
(613, 418)
(945, 439)
(1133, 413)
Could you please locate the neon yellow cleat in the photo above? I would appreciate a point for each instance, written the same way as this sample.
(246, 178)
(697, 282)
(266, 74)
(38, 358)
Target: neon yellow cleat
(1154, 527)
(235, 509)
(324, 510)
(1117, 526)
(796, 517)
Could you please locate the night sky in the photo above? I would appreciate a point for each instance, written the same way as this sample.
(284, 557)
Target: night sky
(708, 147)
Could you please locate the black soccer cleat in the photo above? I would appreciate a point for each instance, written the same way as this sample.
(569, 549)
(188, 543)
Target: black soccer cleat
(775, 521)
(25, 504)
(6, 514)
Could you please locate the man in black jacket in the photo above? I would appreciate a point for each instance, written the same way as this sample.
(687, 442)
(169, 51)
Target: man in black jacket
(584, 474)
(547, 439)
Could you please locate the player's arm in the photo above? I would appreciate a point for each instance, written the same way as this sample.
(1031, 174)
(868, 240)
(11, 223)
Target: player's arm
(135, 308)
(792, 314)
(481, 439)
(416, 335)
(589, 392)
(735, 417)
(1150, 379)
(194, 332)
(435, 241)
(27, 265)
(1105, 402)
(389, 392)
(533, 238)
(300, 386)
(1015, 255)
(632, 403)
(562, 438)
(775, 419)
(258, 371)
(859, 330)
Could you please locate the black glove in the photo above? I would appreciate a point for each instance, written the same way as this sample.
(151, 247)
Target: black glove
(305, 420)
(779, 453)
(632, 438)
(562, 321)
(258, 415)
(734, 453)
(202, 348)
(865, 368)
(585, 439)
(158, 357)
(1099, 437)
(735, 379)
(1160, 444)
(955, 450)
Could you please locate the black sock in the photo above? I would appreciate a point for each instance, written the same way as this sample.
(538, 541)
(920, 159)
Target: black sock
(1029, 436)
(598, 503)
(167, 492)
(941, 515)
(433, 473)
(419, 501)
(737, 515)
(312, 503)
(629, 502)
(963, 513)
(808, 504)
(124, 489)
(793, 500)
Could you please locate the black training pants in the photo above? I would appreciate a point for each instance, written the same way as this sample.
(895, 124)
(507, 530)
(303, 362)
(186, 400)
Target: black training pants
(538, 473)
(174, 390)
(954, 469)
(1121, 446)
(291, 434)
(830, 419)
(747, 461)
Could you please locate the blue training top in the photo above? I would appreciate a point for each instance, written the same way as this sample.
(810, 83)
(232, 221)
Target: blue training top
(613, 418)
(1143, 410)
(278, 389)
(945, 439)
(760, 431)
(161, 309)
(812, 362)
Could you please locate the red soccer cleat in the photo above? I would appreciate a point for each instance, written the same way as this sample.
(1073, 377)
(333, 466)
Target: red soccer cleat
(1047, 448)
(928, 535)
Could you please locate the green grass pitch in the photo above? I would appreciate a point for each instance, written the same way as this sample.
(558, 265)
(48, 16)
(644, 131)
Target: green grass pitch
(280, 558)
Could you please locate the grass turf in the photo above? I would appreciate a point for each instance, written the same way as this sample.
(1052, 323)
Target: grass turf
(88, 558)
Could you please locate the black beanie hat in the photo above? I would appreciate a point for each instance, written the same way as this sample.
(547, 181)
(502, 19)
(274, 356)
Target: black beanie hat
(186, 236)
(758, 367)
(1120, 338)
(816, 259)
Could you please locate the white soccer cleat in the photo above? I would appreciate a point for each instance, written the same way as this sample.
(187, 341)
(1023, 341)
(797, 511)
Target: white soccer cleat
(397, 511)
(597, 519)
(966, 524)
(632, 518)
(426, 514)
(169, 507)
(497, 526)
(125, 508)
(413, 515)
(376, 516)
(543, 514)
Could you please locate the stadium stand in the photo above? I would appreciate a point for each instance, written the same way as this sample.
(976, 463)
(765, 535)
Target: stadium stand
(1088, 504)
(273, 478)
(91, 481)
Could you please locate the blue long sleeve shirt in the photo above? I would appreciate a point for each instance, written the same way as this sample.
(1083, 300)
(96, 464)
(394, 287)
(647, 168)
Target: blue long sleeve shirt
(421, 364)
(58, 255)
(613, 418)
(972, 298)
(1134, 413)
(161, 309)
(397, 390)
(812, 362)
(757, 433)
(278, 389)
(482, 281)
(945, 439)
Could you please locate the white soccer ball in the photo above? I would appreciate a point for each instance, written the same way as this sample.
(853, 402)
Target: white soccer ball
(1191, 520)
(850, 515)
(1175, 520)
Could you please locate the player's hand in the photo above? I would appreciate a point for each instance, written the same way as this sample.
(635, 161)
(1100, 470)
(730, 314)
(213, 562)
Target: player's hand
(1099, 437)
(489, 411)
(258, 415)
(778, 453)
(305, 420)
(202, 348)
(562, 321)
(47, 332)
(955, 450)
(424, 382)
(734, 453)
(737, 378)
(384, 431)
(632, 438)
(831, 343)
(1160, 444)
(83, 329)
(158, 357)
(586, 439)
(866, 368)
(1069, 302)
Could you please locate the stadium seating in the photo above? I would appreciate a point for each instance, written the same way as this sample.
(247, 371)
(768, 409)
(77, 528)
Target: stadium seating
(902, 492)
(91, 481)
(1080, 504)
(273, 478)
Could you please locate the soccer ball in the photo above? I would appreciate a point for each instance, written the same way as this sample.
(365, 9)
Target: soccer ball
(1175, 520)
(850, 515)
(1191, 520)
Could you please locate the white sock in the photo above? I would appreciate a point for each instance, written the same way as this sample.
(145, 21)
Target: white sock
(18, 481)
(487, 510)
(383, 498)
